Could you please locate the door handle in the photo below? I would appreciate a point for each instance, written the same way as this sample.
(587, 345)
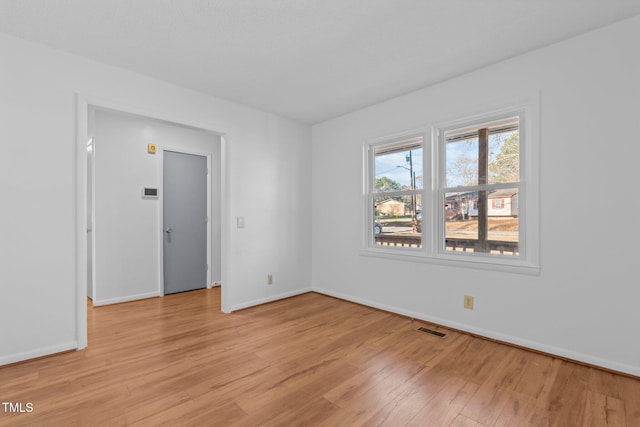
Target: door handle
(168, 230)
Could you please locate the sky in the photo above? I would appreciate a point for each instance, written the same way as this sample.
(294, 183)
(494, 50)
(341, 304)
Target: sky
(395, 166)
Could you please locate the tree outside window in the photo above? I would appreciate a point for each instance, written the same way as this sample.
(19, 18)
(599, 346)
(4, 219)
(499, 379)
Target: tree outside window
(481, 188)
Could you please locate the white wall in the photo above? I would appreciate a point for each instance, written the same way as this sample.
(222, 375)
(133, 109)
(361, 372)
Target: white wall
(127, 227)
(583, 305)
(267, 173)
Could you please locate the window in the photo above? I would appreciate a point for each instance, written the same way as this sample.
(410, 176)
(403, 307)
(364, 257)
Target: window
(395, 193)
(462, 193)
(481, 169)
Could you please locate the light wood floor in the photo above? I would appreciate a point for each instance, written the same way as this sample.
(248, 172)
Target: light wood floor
(308, 360)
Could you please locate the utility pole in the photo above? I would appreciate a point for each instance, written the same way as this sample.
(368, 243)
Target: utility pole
(412, 178)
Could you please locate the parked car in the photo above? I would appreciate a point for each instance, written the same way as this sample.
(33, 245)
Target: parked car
(377, 227)
(416, 222)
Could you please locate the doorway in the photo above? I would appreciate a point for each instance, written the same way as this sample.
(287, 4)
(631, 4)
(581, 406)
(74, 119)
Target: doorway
(127, 262)
(219, 219)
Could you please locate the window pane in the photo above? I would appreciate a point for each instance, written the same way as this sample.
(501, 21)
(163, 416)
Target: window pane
(462, 153)
(398, 221)
(504, 157)
(398, 168)
(466, 231)
(462, 162)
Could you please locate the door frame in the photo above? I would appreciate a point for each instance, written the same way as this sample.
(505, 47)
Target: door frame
(161, 150)
(83, 102)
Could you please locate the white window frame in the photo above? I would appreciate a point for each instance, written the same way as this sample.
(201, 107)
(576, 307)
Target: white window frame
(433, 248)
(479, 122)
(370, 194)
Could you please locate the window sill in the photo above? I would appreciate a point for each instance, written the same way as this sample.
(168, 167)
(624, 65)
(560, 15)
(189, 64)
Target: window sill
(475, 262)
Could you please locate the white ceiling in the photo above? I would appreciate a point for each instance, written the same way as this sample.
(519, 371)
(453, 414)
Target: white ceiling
(310, 60)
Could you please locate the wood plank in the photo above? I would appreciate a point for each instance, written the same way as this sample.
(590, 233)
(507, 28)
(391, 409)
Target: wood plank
(446, 406)
(486, 404)
(569, 395)
(517, 412)
(462, 421)
(538, 378)
(426, 386)
(630, 394)
(603, 411)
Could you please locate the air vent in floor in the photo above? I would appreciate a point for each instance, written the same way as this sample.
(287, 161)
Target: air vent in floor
(432, 332)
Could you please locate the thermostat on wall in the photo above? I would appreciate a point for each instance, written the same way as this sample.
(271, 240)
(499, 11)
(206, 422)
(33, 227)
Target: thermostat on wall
(150, 193)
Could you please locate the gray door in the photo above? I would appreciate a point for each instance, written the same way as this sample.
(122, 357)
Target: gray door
(185, 222)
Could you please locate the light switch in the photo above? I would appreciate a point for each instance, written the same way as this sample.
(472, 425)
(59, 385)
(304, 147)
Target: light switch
(240, 221)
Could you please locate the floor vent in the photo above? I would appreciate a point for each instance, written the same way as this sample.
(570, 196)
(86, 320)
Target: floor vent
(432, 332)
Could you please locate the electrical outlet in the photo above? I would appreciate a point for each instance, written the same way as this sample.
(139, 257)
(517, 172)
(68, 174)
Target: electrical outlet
(270, 279)
(468, 302)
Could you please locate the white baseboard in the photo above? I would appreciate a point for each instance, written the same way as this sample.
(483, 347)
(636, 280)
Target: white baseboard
(557, 351)
(40, 352)
(127, 298)
(270, 299)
